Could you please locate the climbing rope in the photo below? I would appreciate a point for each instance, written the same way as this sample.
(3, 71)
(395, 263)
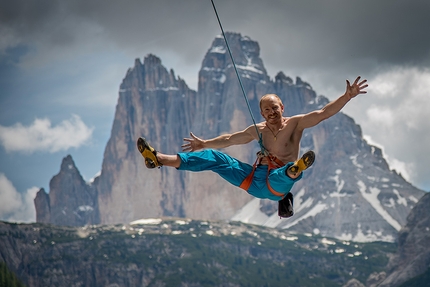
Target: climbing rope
(260, 141)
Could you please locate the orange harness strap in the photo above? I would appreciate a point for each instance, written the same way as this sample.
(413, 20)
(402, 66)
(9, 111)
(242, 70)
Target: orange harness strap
(274, 162)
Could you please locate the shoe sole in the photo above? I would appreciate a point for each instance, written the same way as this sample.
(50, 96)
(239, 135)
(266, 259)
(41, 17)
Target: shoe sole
(307, 159)
(143, 145)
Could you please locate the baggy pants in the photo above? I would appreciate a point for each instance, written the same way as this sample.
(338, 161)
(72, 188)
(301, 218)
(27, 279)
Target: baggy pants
(235, 171)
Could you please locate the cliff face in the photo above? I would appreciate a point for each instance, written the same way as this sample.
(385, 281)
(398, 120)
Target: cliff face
(413, 255)
(349, 193)
(155, 104)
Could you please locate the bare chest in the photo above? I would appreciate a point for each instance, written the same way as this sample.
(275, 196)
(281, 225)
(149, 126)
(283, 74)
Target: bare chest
(281, 143)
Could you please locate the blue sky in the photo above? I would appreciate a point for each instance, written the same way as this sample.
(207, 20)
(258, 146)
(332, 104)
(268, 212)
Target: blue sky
(61, 64)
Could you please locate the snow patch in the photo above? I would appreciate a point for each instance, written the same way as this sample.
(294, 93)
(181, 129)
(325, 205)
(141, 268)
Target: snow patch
(400, 199)
(289, 238)
(85, 208)
(250, 68)
(154, 221)
(220, 79)
(339, 185)
(354, 161)
(372, 198)
(218, 50)
(327, 242)
(167, 89)
(95, 176)
(413, 198)
(318, 208)
(251, 213)
(370, 236)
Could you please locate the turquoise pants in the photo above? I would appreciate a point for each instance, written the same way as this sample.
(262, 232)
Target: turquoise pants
(235, 171)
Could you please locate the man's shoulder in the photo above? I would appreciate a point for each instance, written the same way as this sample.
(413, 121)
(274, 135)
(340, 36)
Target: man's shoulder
(293, 119)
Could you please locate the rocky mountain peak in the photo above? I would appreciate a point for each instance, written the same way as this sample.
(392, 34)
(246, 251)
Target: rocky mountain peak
(151, 60)
(282, 78)
(246, 55)
(68, 165)
(71, 201)
(42, 205)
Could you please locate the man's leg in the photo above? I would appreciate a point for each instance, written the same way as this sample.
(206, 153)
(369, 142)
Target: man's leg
(156, 159)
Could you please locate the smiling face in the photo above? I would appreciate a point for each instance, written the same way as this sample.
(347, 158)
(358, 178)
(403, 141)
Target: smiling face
(271, 108)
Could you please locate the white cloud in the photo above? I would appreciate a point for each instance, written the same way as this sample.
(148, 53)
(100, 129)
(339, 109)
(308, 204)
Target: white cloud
(15, 206)
(406, 169)
(41, 136)
(381, 116)
(394, 114)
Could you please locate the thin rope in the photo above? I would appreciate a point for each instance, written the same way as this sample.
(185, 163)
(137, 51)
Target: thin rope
(260, 141)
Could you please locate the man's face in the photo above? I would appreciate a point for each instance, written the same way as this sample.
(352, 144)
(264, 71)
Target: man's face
(271, 109)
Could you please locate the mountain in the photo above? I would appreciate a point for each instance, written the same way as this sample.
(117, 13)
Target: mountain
(71, 201)
(413, 255)
(183, 252)
(350, 193)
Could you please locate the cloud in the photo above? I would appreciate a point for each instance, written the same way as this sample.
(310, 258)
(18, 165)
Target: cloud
(41, 136)
(15, 206)
(302, 35)
(395, 114)
(381, 116)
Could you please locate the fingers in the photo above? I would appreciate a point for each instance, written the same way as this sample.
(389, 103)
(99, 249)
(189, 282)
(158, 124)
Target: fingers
(361, 85)
(190, 143)
(356, 80)
(356, 88)
(187, 147)
(362, 82)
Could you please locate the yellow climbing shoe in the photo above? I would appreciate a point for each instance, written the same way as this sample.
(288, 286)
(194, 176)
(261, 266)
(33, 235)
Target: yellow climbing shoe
(303, 163)
(148, 153)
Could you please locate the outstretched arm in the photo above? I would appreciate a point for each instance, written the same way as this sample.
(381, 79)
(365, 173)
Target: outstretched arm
(195, 143)
(313, 118)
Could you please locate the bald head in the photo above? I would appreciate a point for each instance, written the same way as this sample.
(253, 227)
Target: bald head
(270, 97)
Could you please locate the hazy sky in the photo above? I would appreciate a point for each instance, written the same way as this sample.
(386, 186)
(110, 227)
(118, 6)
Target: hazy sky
(61, 64)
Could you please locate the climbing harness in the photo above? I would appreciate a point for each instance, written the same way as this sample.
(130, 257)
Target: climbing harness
(260, 141)
(274, 163)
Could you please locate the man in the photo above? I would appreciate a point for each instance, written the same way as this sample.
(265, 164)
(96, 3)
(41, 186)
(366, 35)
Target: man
(275, 172)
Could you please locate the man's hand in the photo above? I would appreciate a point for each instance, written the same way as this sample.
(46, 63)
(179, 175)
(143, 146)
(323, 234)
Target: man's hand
(193, 144)
(356, 88)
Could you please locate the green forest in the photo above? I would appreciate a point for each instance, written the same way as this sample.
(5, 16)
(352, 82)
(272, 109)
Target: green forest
(8, 278)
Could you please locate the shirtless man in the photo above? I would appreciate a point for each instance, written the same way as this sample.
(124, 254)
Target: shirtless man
(274, 174)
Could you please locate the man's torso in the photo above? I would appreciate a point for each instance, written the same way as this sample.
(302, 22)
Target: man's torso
(284, 143)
